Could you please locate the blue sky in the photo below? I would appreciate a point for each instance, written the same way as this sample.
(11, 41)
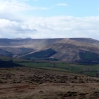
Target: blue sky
(77, 8)
(49, 18)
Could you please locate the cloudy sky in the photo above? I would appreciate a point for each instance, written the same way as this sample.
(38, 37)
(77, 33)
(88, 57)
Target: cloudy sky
(49, 18)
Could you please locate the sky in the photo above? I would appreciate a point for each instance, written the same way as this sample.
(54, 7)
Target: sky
(49, 19)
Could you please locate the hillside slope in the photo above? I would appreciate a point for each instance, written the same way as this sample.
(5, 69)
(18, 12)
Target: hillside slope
(84, 50)
(71, 50)
(20, 47)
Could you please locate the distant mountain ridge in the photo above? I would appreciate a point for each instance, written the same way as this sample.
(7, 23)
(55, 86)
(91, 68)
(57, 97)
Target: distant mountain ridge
(62, 49)
(27, 42)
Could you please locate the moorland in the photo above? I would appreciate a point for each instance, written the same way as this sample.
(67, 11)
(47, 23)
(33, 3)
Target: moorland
(65, 68)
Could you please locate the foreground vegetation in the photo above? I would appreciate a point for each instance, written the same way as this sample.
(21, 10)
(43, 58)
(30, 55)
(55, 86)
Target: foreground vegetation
(45, 79)
(30, 83)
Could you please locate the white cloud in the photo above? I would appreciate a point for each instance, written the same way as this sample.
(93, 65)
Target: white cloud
(47, 27)
(14, 29)
(7, 6)
(65, 26)
(16, 5)
(51, 27)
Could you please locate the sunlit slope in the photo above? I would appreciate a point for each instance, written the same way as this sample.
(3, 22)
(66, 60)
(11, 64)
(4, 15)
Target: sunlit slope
(70, 50)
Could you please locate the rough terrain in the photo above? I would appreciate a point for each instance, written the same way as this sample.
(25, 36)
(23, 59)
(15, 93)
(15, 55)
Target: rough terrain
(29, 83)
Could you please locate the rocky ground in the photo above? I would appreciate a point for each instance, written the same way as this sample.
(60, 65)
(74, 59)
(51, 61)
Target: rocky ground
(29, 83)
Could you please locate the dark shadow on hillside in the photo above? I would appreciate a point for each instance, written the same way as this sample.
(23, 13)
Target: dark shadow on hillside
(44, 54)
(88, 58)
(8, 64)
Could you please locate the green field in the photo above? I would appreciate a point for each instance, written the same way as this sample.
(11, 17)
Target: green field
(90, 70)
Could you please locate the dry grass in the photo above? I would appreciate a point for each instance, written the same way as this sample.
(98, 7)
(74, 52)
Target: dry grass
(28, 83)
